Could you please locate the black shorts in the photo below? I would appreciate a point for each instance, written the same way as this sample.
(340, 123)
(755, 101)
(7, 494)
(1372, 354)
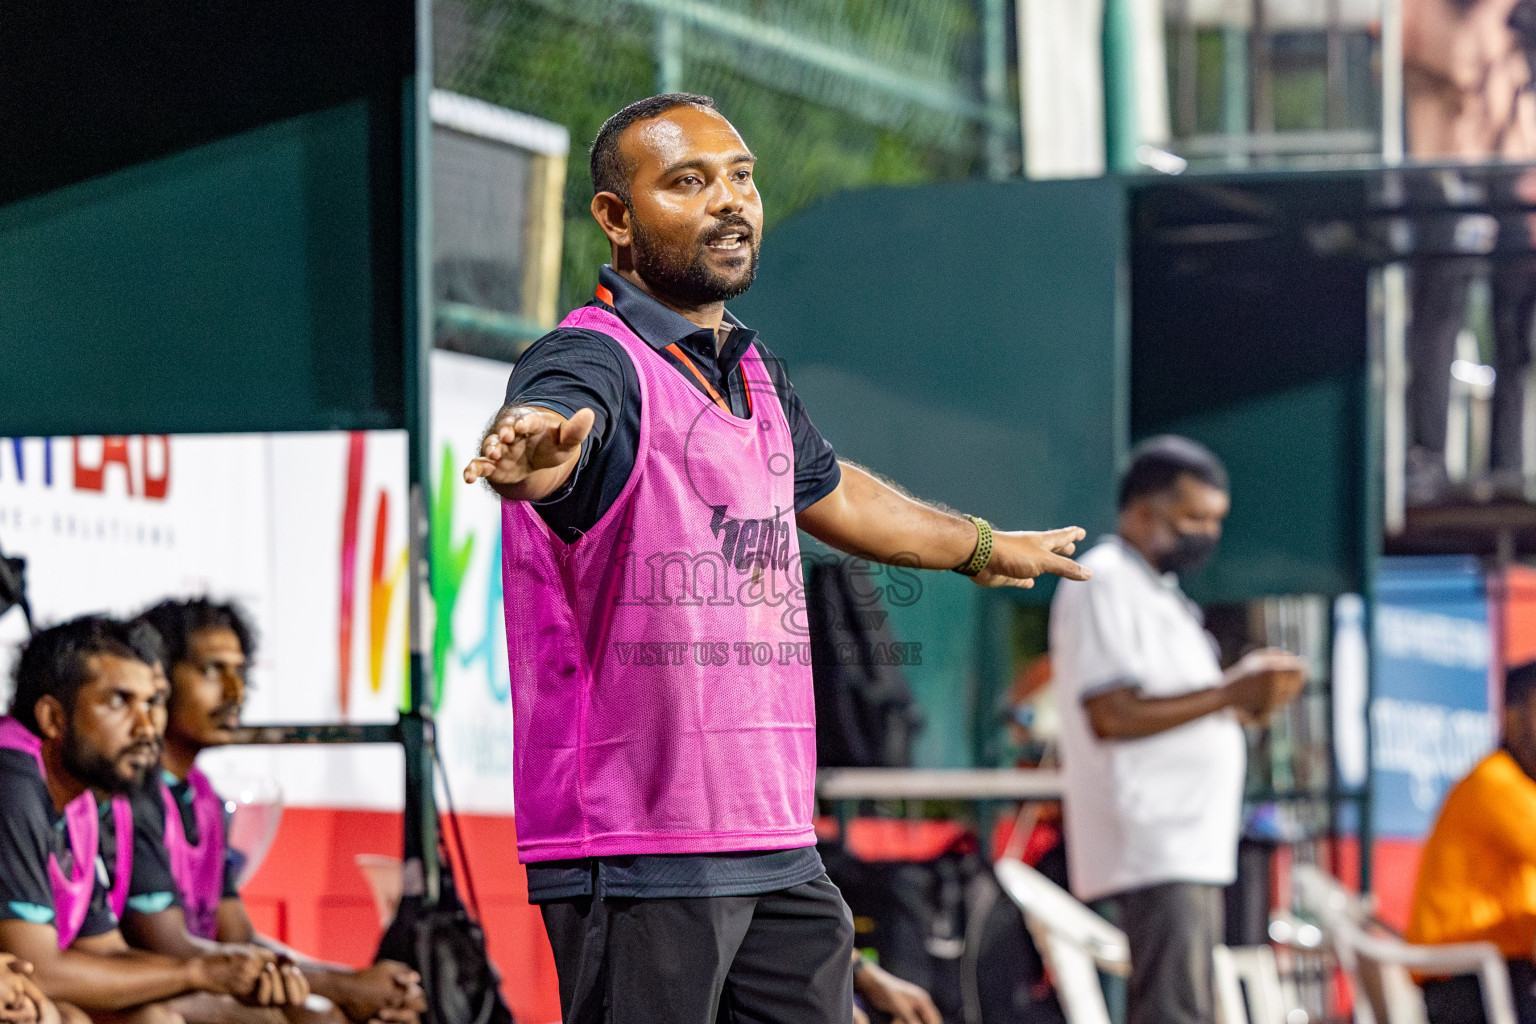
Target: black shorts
(780, 958)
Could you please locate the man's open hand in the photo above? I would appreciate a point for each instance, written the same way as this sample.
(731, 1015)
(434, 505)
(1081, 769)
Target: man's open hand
(529, 452)
(1019, 556)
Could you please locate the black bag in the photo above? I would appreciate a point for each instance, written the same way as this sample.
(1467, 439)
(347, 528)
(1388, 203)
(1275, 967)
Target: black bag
(1011, 986)
(913, 916)
(944, 924)
(866, 716)
(447, 947)
(13, 587)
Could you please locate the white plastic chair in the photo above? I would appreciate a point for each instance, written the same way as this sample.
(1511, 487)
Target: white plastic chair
(1075, 942)
(1248, 987)
(1380, 967)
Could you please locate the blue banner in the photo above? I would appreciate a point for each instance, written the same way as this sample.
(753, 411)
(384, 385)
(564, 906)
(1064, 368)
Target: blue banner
(1430, 720)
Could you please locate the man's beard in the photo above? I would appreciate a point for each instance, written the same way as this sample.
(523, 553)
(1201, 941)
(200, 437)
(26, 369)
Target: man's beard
(691, 283)
(98, 771)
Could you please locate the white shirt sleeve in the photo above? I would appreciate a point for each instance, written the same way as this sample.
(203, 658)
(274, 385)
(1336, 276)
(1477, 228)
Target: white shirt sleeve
(1094, 637)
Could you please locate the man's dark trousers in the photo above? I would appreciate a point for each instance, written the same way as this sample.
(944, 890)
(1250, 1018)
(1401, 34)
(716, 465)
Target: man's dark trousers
(783, 957)
(1173, 929)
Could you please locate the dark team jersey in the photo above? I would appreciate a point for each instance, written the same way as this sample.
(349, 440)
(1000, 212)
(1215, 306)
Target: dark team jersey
(153, 886)
(30, 830)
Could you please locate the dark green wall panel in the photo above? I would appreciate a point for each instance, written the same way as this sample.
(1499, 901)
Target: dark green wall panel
(1296, 460)
(960, 339)
(228, 287)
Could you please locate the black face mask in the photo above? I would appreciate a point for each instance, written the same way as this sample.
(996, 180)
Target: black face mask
(1189, 553)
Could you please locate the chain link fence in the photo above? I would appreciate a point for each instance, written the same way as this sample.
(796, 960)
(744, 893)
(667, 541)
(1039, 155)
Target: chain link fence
(831, 94)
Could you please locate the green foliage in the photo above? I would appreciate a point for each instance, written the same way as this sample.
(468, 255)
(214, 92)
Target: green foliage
(575, 62)
(1301, 98)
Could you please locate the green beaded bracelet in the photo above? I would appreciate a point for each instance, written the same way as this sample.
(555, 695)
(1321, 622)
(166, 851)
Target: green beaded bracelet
(983, 553)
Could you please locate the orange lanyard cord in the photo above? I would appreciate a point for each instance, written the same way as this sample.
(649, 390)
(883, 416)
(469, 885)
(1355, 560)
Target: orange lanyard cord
(709, 388)
(606, 296)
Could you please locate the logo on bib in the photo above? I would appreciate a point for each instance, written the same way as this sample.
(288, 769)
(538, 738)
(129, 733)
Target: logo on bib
(717, 455)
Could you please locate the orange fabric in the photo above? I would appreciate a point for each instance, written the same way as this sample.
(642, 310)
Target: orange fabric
(1477, 880)
(1519, 615)
(604, 295)
(901, 840)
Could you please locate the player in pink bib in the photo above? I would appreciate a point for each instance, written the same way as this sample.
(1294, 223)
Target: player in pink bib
(84, 723)
(655, 466)
(184, 894)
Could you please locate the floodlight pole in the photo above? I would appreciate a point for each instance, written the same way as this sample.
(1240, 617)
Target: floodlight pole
(417, 734)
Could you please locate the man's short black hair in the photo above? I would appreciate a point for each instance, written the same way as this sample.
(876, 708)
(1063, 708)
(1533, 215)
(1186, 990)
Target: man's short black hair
(56, 662)
(608, 171)
(1519, 684)
(1158, 463)
(176, 621)
(146, 641)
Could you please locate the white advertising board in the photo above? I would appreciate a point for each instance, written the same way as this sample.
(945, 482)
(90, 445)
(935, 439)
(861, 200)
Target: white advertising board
(308, 533)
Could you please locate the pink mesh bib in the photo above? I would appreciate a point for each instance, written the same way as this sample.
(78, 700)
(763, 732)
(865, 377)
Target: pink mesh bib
(198, 870)
(71, 892)
(122, 871)
(660, 664)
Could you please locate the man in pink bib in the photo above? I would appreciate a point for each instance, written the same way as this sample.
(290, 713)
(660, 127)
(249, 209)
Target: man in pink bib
(654, 465)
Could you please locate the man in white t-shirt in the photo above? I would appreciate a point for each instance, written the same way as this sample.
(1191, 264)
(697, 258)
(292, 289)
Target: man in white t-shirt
(1152, 742)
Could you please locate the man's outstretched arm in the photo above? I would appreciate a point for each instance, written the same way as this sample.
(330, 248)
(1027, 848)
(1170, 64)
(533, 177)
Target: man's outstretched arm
(868, 517)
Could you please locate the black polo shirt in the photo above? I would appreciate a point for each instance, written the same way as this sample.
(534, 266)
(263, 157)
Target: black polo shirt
(153, 887)
(31, 830)
(570, 369)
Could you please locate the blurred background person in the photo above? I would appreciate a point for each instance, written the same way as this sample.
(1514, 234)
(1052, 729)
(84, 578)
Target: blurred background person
(1468, 98)
(1477, 879)
(1152, 747)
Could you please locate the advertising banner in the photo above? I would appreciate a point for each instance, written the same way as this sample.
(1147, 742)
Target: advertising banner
(469, 650)
(308, 533)
(1430, 720)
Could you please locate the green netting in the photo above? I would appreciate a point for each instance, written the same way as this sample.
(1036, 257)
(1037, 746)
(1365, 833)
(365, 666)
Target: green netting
(817, 128)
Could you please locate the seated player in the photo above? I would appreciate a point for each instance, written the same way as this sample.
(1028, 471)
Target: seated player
(183, 894)
(1477, 879)
(83, 719)
(116, 828)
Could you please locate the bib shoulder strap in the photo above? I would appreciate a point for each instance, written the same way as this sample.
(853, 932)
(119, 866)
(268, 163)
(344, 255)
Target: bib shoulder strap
(122, 871)
(80, 816)
(596, 318)
(15, 736)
